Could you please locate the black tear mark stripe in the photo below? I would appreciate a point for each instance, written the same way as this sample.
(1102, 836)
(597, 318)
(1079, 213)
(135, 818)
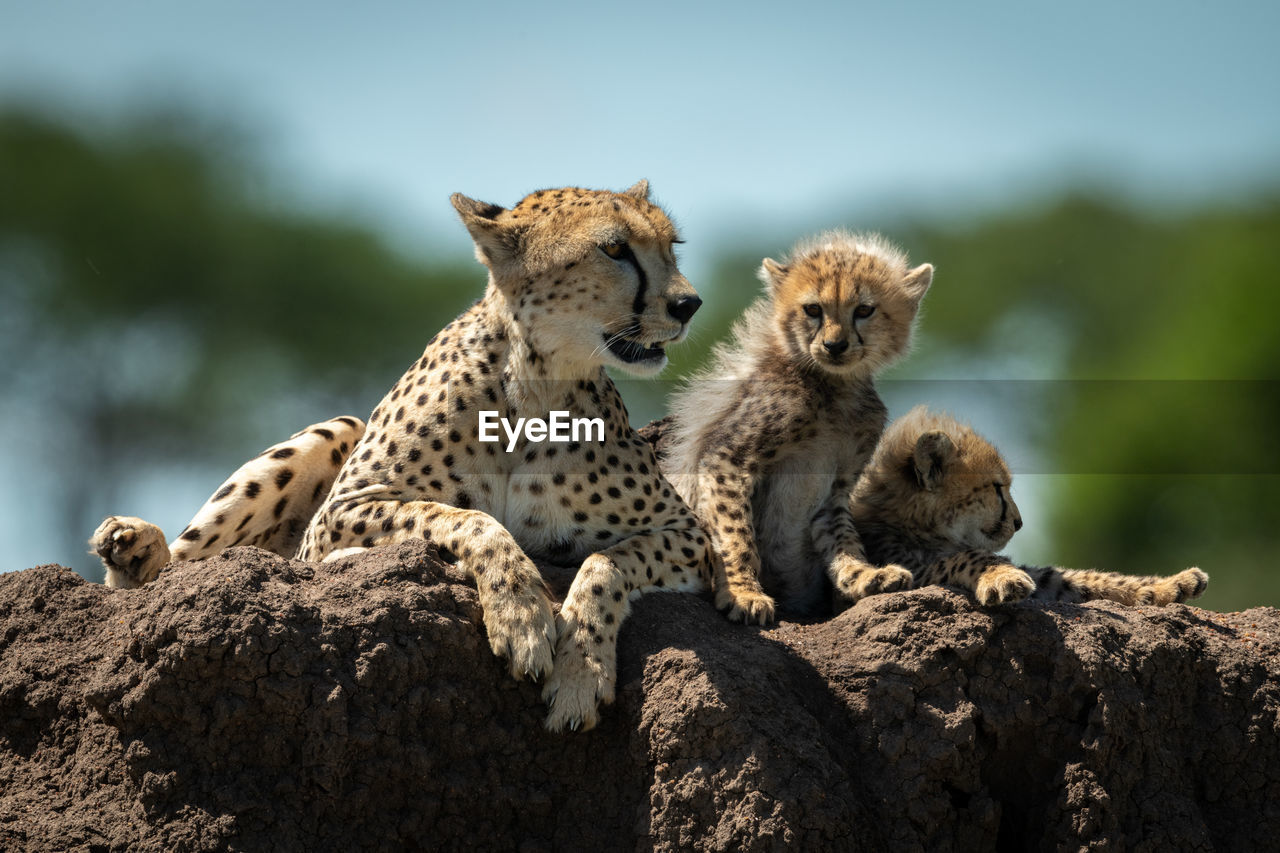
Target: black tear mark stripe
(637, 304)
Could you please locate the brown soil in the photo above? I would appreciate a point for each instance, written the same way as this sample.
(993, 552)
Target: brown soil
(253, 703)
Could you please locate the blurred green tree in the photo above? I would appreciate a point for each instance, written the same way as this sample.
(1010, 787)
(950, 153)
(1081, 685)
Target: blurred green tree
(156, 305)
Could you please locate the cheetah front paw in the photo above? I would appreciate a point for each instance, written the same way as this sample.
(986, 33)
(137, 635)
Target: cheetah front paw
(855, 581)
(1175, 590)
(132, 550)
(1003, 585)
(583, 679)
(522, 628)
(754, 607)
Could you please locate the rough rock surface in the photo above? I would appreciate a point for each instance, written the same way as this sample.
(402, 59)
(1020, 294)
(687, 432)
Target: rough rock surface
(250, 702)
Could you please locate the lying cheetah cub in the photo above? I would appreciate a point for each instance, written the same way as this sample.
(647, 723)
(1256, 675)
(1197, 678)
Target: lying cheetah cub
(767, 444)
(935, 499)
(578, 280)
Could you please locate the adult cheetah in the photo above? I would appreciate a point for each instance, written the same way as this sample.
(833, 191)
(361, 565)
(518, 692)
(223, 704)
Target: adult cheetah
(578, 280)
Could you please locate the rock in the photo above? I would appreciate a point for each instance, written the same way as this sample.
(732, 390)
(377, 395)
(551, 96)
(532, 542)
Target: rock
(263, 704)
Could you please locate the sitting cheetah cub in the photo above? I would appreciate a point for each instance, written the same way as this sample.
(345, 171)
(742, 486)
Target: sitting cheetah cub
(578, 280)
(935, 498)
(766, 444)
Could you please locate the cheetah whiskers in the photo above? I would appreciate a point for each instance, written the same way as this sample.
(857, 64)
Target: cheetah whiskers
(615, 338)
(808, 365)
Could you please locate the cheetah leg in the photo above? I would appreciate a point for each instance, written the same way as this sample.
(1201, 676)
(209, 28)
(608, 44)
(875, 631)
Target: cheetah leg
(1055, 584)
(735, 560)
(598, 600)
(267, 502)
(991, 578)
(513, 595)
(736, 581)
(837, 542)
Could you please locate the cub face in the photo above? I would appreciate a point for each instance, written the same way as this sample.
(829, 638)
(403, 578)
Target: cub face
(939, 480)
(846, 303)
(590, 275)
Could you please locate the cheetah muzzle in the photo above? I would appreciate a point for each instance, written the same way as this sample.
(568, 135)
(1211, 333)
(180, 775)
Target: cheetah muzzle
(633, 352)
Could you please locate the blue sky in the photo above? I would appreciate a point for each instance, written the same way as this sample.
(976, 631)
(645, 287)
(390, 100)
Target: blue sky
(739, 113)
(754, 121)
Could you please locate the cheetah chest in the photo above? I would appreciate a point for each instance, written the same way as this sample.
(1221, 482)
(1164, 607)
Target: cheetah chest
(563, 500)
(795, 487)
(784, 502)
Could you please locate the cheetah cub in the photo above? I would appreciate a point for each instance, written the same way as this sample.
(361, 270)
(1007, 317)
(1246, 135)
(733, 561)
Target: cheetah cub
(767, 443)
(935, 498)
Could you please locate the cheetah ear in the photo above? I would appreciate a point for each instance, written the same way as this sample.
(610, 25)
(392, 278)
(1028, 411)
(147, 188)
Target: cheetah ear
(496, 242)
(640, 189)
(772, 273)
(917, 282)
(934, 451)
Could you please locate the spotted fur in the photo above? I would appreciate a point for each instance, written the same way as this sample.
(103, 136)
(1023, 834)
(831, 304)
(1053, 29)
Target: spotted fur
(935, 499)
(267, 502)
(767, 444)
(578, 279)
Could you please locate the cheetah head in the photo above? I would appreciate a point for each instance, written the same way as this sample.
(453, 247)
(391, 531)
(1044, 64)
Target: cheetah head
(845, 303)
(937, 480)
(590, 276)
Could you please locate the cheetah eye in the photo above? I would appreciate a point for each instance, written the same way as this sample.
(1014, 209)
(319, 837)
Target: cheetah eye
(813, 309)
(615, 250)
(862, 312)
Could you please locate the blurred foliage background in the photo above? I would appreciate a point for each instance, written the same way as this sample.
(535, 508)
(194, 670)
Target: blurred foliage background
(162, 319)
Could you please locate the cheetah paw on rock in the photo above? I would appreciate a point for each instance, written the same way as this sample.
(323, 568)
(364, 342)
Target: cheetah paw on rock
(1003, 585)
(522, 629)
(133, 550)
(583, 679)
(855, 582)
(750, 607)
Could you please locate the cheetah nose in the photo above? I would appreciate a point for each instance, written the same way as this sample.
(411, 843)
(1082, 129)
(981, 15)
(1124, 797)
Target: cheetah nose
(836, 347)
(1017, 524)
(684, 307)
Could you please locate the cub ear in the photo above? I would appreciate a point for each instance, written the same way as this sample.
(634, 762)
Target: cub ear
(772, 273)
(917, 281)
(640, 189)
(496, 242)
(934, 451)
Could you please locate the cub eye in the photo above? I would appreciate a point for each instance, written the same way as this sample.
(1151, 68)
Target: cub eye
(813, 309)
(862, 312)
(615, 250)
